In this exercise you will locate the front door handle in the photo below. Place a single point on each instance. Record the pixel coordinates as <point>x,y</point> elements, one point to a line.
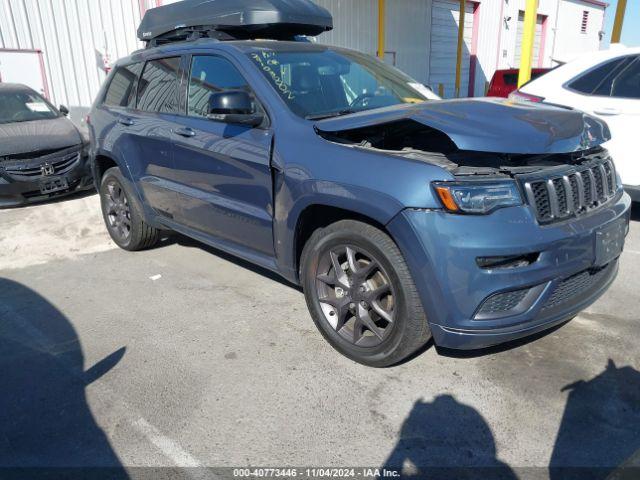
<point>127,122</point>
<point>185,132</point>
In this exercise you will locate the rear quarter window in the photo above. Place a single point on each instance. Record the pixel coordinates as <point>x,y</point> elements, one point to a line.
<point>598,80</point>
<point>627,84</point>
<point>158,86</point>
<point>121,90</point>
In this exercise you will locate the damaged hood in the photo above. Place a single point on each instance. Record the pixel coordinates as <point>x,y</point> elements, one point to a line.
<point>489,125</point>
<point>27,137</point>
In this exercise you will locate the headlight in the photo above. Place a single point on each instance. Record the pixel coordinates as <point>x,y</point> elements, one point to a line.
<point>477,197</point>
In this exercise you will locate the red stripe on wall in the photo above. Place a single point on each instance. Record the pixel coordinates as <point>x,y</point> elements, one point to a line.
<point>43,72</point>
<point>543,40</point>
<point>473,55</point>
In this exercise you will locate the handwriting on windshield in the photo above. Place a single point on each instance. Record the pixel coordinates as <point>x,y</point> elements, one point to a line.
<point>266,61</point>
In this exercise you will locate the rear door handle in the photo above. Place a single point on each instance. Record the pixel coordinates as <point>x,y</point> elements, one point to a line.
<point>127,122</point>
<point>185,132</point>
<point>607,111</point>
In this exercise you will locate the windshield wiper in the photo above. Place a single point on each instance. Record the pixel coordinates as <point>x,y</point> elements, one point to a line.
<point>339,113</point>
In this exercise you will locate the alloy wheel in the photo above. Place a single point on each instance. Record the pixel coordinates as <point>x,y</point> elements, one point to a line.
<point>356,295</point>
<point>117,211</point>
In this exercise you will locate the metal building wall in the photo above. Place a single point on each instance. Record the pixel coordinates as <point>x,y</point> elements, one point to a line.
<point>355,24</point>
<point>75,36</point>
<point>408,34</point>
<point>490,22</point>
<point>571,41</point>
<point>407,40</point>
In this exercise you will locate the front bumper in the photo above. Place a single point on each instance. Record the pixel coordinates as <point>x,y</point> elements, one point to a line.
<point>442,249</point>
<point>15,192</point>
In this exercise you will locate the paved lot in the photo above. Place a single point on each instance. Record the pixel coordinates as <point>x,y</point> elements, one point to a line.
<point>182,356</point>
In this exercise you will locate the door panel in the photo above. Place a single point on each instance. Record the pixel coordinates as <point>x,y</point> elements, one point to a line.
<point>225,182</point>
<point>223,170</point>
<point>152,124</point>
<point>154,167</point>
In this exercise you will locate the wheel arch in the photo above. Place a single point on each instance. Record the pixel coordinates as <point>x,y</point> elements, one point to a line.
<point>101,163</point>
<point>318,215</point>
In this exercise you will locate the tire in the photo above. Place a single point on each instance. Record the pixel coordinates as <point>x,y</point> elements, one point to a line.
<point>122,215</point>
<point>372,314</point>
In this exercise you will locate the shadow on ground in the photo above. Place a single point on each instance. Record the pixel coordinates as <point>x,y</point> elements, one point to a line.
<point>446,439</point>
<point>600,427</point>
<point>45,421</point>
<point>598,437</point>
<point>173,238</point>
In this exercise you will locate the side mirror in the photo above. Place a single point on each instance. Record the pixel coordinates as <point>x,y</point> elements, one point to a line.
<point>64,110</point>
<point>234,106</point>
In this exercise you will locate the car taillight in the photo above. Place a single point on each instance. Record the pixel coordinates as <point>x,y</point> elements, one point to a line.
<point>518,96</point>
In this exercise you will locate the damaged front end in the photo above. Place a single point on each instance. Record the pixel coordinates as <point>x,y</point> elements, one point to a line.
<point>554,155</point>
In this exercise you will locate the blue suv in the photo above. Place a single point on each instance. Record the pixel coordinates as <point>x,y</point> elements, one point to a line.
<point>403,217</point>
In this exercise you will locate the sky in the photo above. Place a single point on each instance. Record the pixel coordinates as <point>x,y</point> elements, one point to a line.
<point>631,25</point>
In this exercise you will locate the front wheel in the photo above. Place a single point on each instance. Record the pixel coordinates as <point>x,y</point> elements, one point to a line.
<point>361,295</point>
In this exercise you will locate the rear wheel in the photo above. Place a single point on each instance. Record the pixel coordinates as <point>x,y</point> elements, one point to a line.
<point>123,219</point>
<point>361,295</point>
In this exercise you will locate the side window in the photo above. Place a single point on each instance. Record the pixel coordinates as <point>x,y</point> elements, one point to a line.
<point>121,90</point>
<point>596,80</point>
<point>627,84</point>
<point>158,86</point>
<point>211,74</point>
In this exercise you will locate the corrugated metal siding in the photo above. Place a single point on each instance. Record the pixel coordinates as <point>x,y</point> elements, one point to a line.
<point>73,35</point>
<point>408,25</point>
<point>355,24</point>
<point>407,31</point>
<point>444,45</point>
<point>489,34</point>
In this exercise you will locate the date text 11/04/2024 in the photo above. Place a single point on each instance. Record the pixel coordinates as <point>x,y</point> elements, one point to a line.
<point>315,473</point>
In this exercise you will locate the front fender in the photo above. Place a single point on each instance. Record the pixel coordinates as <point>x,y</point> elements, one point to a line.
<point>313,171</point>
<point>354,199</point>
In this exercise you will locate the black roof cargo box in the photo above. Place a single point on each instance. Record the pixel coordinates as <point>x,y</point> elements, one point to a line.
<point>240,19</point>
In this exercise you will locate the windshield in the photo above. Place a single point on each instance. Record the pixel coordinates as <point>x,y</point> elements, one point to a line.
<point>24,106</point>
<point>325,83</point>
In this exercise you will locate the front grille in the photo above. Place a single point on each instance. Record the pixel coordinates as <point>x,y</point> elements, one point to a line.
<point>58,163</point>
<point>579,283</point>
<point>577,190</point>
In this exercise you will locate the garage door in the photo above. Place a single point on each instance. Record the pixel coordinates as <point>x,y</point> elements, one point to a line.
<point>445,16</point>
<point>536,42</point>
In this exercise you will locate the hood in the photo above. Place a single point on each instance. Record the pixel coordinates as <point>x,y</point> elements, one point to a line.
<point>489,125</point>
<point>27,137</point>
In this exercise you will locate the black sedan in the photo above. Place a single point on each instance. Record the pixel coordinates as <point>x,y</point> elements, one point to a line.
<point>42,153</point>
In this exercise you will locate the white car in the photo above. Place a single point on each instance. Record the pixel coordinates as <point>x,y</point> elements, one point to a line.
<point>605,84</point>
